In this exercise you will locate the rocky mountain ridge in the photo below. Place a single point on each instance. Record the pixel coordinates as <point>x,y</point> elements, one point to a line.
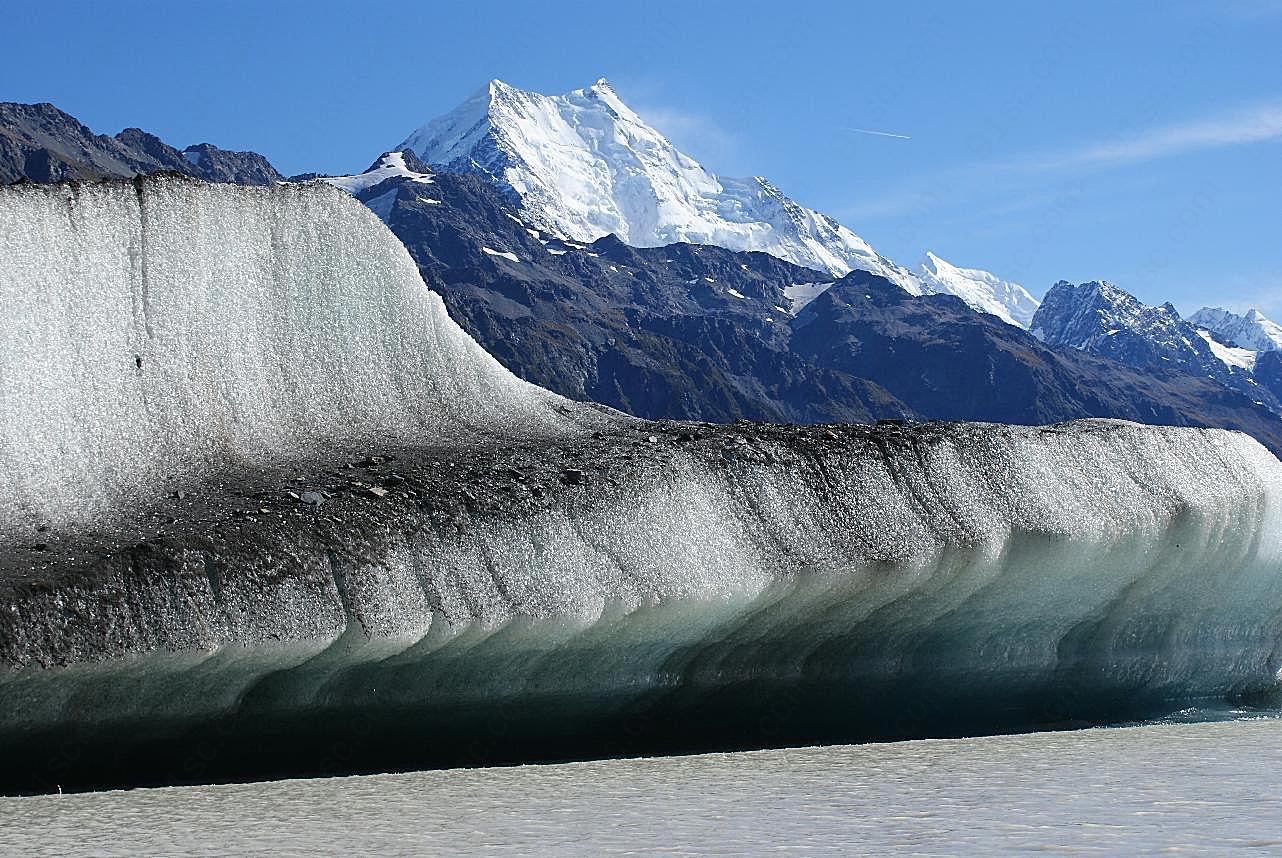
<point>40,143</point>
<point>1103,319</point>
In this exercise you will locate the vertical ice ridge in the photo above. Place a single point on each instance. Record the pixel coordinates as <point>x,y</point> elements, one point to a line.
<point>339,577</point>
<point>142,285</point>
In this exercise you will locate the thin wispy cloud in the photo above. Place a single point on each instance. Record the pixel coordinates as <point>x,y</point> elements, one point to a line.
<point>1025,177</point>
<point>699,135</point>
<point>1256,124</point>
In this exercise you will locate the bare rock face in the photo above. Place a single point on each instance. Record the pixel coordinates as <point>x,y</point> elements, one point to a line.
<point>237,168</point>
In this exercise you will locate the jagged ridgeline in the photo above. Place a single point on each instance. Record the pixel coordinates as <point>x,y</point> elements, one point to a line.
<point>267,511</point>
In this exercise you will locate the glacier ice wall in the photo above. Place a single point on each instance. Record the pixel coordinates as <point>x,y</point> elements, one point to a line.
<point>159,326</point>
<point>533,578</point>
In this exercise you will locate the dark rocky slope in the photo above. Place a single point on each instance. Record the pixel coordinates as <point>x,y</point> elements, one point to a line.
<point>942,359</point>
<point>699,332</point>
<point>682,332</point>
<point>40,143</point>
<point>1268,371</point>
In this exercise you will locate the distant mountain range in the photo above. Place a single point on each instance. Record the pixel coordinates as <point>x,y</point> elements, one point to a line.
<point>1104,320</point>
<point>40,143</point>
<point>700,331</point>
<point>1251,331</point>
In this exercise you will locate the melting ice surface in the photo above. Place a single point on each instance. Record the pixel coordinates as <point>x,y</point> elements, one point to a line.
<point>1195,789</point>
<point>745,587</point>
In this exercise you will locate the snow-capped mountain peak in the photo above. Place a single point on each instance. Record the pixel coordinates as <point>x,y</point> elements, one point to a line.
<point>1251,330</point>
<point>603,92</point>
<point>985,292</point>
<point>583,165</point>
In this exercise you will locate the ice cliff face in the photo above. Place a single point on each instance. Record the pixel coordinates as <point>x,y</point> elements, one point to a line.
<point>505,575</point>
<point>677,587</point>
<point>584,165</point>
<point>166,325</point>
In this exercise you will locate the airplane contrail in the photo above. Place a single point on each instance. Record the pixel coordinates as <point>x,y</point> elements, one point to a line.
<point>879,133</point>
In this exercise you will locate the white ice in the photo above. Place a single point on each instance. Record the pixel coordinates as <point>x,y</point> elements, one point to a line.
<point>1230,356</point>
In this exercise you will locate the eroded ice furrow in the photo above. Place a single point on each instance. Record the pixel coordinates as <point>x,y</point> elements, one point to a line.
<point>884,582</point>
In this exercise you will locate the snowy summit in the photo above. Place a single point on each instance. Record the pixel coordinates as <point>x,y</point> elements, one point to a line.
<point>584,165</point>
<point>985,292</point>
<point>1252,331</point>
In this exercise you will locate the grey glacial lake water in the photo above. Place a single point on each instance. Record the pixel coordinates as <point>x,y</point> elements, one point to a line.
<point>1191,788</point>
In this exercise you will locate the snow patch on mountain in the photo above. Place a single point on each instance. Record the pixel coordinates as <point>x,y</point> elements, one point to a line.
<point>505,254</point>
<point>801,294</point>
<point>1229,355</point>
<point>390,165</point>
<point>986,292</point>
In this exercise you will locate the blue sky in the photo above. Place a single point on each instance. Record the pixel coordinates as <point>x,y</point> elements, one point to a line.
<point>1140,144</point>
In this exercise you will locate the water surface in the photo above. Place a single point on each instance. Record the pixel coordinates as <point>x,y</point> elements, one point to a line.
<point>1193,788</point>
